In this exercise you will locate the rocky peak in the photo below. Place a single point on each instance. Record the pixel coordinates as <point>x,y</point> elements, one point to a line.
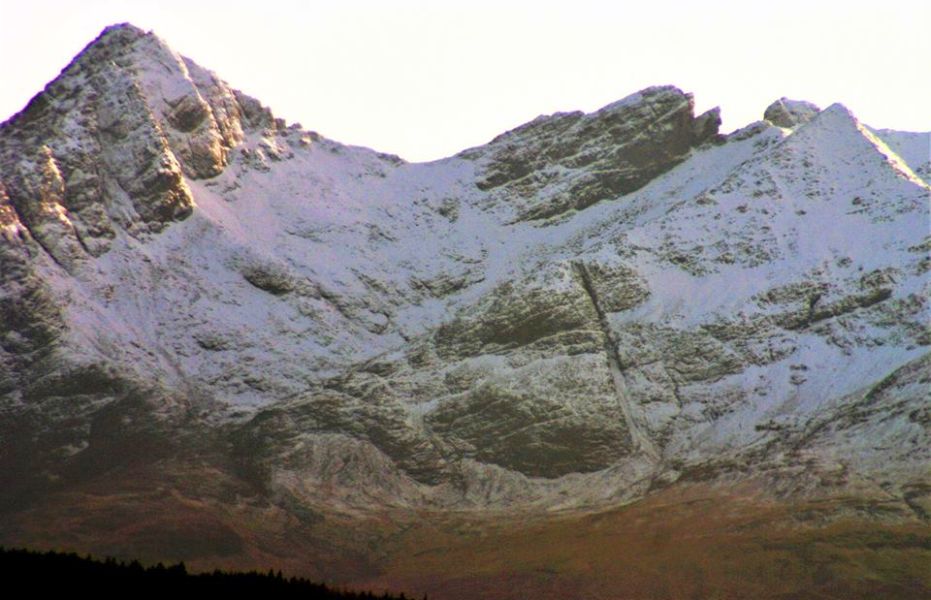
<point>580,159</point>
<point>790,113</point>
<point>114,43</point>
<point>120,129</point>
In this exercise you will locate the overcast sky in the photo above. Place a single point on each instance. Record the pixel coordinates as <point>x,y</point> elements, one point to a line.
<point>427,79</point>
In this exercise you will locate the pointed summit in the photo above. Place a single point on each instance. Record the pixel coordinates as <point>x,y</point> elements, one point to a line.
<point>836,135</point>
<point>124,28</point>
<point>115,43</point>
<point>123,124</point>
<point>125,31</point>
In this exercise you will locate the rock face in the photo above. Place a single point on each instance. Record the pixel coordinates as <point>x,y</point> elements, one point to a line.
<point>586,310</point>
<point>570,161</point>
<point>790,113</point>
<point>108,145</point>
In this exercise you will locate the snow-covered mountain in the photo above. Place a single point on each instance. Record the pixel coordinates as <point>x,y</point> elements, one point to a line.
<point>586,311</point>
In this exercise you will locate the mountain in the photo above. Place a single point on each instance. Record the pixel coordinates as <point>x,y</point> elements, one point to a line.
<point>231,341</point>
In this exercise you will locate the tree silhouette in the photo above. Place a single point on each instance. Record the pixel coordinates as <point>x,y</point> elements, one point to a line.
<point>70,573</point>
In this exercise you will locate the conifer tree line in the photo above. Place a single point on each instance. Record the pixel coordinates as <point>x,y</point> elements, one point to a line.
<point>68,571</point>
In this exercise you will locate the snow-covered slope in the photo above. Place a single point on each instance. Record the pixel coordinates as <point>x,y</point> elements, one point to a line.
<point>586,309</point>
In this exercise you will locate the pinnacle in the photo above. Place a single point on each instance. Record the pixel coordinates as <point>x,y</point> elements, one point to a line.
<point>119,29</point>
<point>113,40</point>
<point>125,26</point>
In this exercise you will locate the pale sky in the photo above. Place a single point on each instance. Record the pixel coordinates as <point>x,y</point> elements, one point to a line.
<point>428,79</point>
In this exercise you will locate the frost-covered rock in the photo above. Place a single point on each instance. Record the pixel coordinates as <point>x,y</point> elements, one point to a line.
<point>790,113</point>
<point>107,145</point>
<point>570,161</point>
<point>583,309</point>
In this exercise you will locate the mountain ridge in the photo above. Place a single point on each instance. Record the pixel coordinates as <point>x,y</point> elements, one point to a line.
<point>586,312</point>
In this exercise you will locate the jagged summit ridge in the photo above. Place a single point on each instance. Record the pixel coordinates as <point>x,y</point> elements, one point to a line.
<point>569,161</point>
<point>585,309</point>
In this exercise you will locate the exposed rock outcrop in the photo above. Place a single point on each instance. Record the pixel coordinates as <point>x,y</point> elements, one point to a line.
<point>572,160</point>
<point>107,145</point>
<point>790,113</point>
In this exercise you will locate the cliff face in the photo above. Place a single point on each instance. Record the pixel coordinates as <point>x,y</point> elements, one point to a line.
<point>568,162</point>
<point>586,310</point>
